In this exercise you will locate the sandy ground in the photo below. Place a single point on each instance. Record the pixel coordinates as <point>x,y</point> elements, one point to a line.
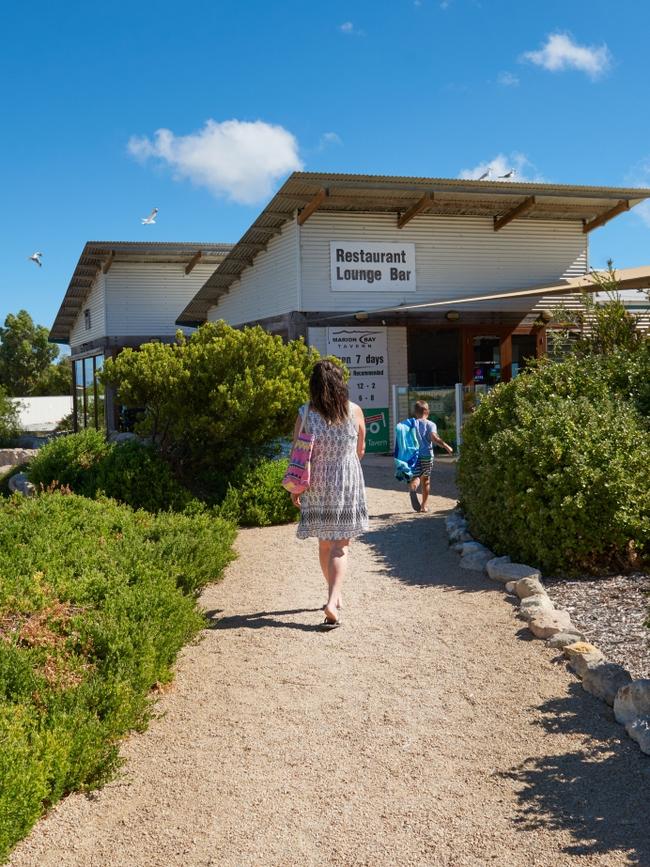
<point>427,730</point>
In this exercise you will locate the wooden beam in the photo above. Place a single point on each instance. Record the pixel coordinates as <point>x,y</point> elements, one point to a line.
<point>196,258</point>
<point>107,264</point>
<point>422,205</point>
<point>513,213</point>
<point>623,205</point>
<point>313,205</point>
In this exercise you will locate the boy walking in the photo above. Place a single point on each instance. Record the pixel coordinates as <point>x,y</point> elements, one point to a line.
<point>428,435</point>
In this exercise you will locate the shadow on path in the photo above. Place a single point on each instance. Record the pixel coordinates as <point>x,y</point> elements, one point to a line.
<point>416,551</point>
<point>598,795</point>
<point>262,619</point>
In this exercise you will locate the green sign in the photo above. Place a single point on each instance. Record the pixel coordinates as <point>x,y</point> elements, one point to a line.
<point>376,428</point>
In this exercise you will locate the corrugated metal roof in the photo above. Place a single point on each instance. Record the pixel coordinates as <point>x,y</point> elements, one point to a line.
<point>100,254</point>
<point>394,194</point>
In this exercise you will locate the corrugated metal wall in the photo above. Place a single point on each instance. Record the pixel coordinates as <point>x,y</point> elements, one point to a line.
<point>455,256</point>
<point>144,298</point>
<point>96,303</point>
<point>269,287</point>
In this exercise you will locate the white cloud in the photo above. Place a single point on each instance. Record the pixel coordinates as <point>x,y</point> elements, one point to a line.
<point>238,159</point>
<point>501,165</point>
<point>639,176</point>
<point>561,52</point>
<point>350,30</point>
<point>329,139</point>
<point>507,79</point>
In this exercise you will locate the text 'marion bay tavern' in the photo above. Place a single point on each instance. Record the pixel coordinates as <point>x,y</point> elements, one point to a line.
<point>385,267</point>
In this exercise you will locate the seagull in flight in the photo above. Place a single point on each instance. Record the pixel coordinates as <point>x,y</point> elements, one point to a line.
<point>36,257</point>
<point>151,219</point>
<point>509,174</point>
<point>485,175</point>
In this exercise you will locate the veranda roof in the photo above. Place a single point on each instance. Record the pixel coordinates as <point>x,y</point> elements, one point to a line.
<point>304,193</point>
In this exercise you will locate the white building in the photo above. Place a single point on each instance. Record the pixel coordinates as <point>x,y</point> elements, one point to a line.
<point>124,294</point>
<point>395,264</point>
<point>422,282</point>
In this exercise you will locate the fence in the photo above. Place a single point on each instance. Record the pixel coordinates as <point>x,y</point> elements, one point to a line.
<point>448,407</point>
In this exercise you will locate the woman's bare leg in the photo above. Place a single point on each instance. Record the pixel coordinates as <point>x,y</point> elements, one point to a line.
<point>337,569</point>
<point>324,548</point>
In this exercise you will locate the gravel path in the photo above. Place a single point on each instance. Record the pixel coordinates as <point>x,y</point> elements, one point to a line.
<point>426,731</point>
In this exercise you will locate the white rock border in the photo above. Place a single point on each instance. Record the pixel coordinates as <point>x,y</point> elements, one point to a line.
<point>608,681</point>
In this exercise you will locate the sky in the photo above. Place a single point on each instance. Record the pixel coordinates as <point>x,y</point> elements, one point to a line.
<point>202,109</point>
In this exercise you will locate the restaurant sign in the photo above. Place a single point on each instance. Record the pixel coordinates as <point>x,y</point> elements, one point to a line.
<point>370,266</point>
<point>365,353</point>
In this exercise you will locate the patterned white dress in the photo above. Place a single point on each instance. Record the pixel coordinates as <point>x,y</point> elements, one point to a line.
<point>334,507</point>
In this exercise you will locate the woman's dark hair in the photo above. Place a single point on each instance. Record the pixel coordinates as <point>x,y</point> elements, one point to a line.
<point>328,391</point>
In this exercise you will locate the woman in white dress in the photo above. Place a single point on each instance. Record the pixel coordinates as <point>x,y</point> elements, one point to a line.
<point>334,508</point>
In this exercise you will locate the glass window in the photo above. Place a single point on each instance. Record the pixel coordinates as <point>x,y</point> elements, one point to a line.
<point>100,393</point>
<point>487,360</point>
<point>79,394</point>
<point>524,347</point>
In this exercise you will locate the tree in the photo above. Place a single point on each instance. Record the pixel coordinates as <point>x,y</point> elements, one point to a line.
<point>9,429</point>
<point>25,354</point>
<point>55,379</point>
<point>214,399</point>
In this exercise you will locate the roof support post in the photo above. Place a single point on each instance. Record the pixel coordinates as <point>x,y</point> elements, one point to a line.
<point>623,205</point>
<point>311,206</point>
<point>196,258</point>
<point>422,204</point>
<point>107,264</point>
<point>513,213</point>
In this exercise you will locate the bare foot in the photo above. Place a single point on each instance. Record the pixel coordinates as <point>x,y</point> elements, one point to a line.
<point>331,614</point>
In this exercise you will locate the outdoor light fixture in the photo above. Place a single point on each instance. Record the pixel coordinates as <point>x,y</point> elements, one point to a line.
<point>546,315</point>
<point>361,316</point>
<point>452,315</point>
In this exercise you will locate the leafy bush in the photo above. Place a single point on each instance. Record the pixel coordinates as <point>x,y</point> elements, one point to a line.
<point>554,467</point>
<point>9,429</point>
<point>214,398</point>
<point>255,497</point>
<point>130,472</point>
<point>71,461</point>
<point>95,602</point>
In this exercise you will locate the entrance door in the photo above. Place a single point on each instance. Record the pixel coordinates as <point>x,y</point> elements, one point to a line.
<point>486,360</point>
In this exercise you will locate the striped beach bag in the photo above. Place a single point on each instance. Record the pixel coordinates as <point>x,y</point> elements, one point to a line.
<point>297,477</point>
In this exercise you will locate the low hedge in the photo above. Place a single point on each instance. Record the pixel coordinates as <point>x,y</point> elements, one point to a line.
<point>554,469</point>
<point>130,472</point>
<point>255,496</point>
<point>95,602</point>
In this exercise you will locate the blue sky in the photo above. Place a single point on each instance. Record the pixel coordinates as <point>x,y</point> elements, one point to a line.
<point>414,87</point>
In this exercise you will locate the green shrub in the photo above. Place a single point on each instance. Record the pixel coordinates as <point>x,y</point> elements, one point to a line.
<point>9,429</point>
<point>95,602</point>
<point>70,460</point>
<point>554,469</point>
<point>214,398</point>
<point>255,496</point>
<point>130,472</point>
<point>136,474</point>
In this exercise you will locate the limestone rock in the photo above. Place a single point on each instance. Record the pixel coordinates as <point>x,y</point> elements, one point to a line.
<point>501,569</point>
<point>546,624</point>
<point>493,567</point>
<point>562,639</point>
<point>476,560</point>
<point>633,701</point>
<point>20,484</point>
<point>13,457</point>
<point>639,731</point>
<point>526,587</point>
<point>604,679</point>
<point>474,547</point>
<point>510,586</point>
<point>581,654</point>
<point>535,606</point>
